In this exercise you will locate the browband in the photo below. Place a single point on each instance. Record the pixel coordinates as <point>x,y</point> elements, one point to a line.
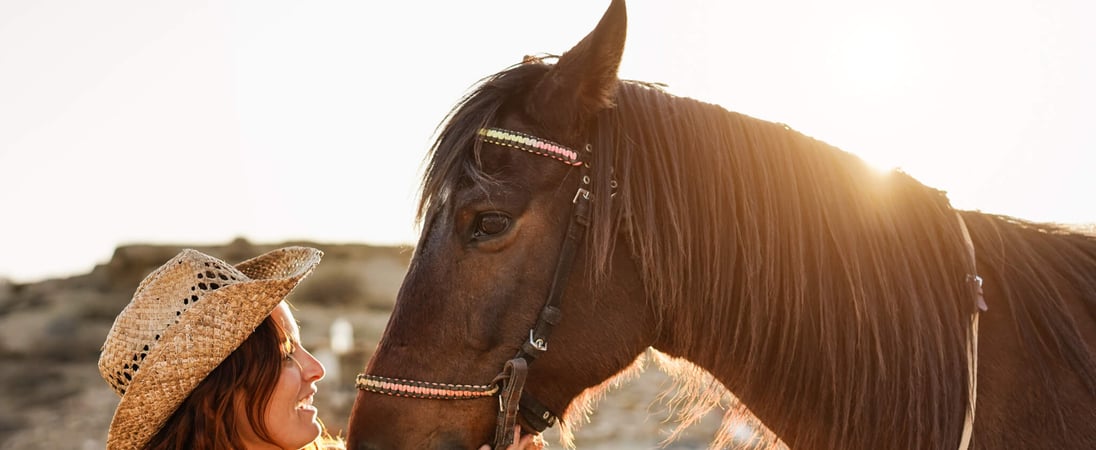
<point>532,144</point>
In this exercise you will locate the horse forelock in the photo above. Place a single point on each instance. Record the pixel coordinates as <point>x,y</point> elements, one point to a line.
<point>453,159</point>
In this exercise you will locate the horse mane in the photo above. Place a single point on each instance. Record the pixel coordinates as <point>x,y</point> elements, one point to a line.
<point>833,287</point>
<point>845,289</point>
<point>832,284</point>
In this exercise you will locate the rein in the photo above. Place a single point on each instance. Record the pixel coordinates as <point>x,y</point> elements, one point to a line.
<point>975,282</point>
<point>510,383</point>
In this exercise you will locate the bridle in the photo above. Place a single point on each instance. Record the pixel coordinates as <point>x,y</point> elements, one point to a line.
<point>509,384</point>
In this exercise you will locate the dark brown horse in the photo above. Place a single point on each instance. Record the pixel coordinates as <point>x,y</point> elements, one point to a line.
<point>839,305</point>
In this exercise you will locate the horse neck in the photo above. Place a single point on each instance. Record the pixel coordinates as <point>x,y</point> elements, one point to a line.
<point>825,297</point>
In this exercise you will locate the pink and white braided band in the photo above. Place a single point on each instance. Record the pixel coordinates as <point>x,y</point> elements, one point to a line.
<point>529,143</point>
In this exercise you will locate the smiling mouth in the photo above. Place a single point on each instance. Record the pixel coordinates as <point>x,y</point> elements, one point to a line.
<point>306,403</point>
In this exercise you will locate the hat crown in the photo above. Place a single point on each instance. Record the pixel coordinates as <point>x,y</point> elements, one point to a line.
<point>160,302</point>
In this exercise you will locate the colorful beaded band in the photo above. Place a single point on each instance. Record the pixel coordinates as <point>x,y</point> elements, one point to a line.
<point>531,144</point>
<point>424,389</point>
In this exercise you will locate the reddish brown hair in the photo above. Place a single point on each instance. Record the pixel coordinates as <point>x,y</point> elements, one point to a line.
<point>245,379</point>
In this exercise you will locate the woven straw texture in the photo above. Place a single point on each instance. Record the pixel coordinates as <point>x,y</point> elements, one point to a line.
<point>185,318</point>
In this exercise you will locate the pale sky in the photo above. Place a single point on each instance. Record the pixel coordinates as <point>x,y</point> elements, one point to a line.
<point>196,122</point>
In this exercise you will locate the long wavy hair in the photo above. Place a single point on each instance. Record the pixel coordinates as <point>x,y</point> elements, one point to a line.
<point>243,382</point>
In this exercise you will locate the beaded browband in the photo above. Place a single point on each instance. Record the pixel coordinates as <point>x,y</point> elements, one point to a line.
<point>532,144</point>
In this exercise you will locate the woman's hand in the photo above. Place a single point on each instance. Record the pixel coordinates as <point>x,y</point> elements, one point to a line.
<point>528,442</point>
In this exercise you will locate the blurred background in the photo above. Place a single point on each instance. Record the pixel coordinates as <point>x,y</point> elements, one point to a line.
<point>131,129</point>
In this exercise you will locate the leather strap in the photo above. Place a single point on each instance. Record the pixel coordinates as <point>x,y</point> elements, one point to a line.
<point>972,338</point>
<point>551,313</point>
<point>513,380</point>
<point>536,415</point>
<point>972,383</point>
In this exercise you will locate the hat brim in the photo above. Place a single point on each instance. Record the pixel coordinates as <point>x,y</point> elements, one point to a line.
<point>219,324</point>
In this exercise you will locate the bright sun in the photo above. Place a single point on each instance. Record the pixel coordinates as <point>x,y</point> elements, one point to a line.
<point>873,66</point>
<point>873,60</point>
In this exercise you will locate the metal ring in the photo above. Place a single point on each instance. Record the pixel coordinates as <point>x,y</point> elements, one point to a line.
<point>589,148</point>
<point>585,179</point>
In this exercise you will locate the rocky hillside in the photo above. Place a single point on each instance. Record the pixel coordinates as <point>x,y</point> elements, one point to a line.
<point>51,331</point>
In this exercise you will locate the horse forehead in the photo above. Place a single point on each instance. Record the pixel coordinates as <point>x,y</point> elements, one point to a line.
<point>517,167</point>
<point>511,162</point>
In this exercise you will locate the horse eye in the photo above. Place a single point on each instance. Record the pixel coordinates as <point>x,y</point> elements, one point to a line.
<point>490,224</point>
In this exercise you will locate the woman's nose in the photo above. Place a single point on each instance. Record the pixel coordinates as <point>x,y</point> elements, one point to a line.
<point>312,369</point>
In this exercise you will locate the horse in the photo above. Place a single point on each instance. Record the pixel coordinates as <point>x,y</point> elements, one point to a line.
<point>572,220</point>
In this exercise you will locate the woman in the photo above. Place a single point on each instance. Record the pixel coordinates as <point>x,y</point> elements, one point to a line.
<point>208,356</point>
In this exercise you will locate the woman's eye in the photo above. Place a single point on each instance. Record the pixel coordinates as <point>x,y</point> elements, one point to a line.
<point>490,224</point>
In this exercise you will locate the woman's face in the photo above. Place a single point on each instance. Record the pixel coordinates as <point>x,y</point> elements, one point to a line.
<point>290,417</point>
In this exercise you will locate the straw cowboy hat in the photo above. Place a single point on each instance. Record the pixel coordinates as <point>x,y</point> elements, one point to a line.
<point>185,318</point>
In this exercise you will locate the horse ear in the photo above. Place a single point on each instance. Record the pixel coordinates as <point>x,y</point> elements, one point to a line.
<point>584,80</point>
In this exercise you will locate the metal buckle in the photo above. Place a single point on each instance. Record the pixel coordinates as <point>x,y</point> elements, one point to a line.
<point>582,192</point>
<point>974,279</point>
<point>538,344</point>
